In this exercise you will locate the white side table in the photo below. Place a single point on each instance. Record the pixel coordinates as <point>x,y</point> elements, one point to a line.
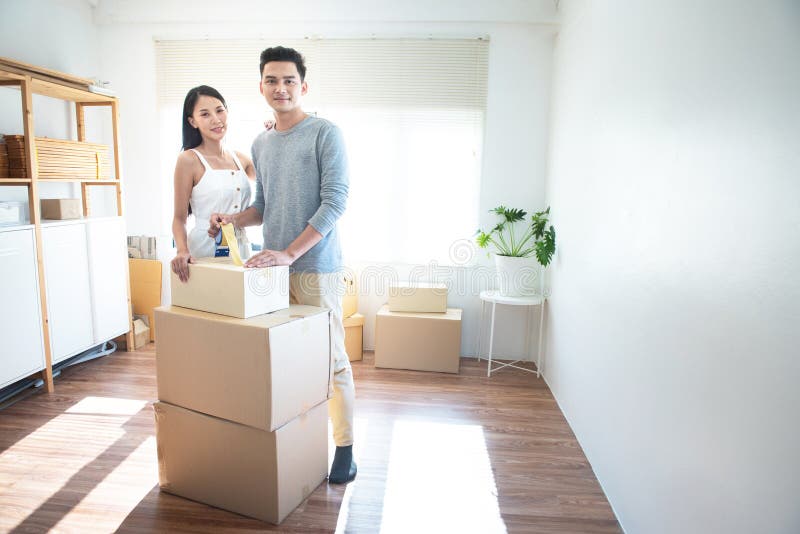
<point>495,298</point>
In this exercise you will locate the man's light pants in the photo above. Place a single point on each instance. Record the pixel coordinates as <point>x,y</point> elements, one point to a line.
<point>325,290</point>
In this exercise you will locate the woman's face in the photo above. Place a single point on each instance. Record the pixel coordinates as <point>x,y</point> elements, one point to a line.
<point>210,117</point>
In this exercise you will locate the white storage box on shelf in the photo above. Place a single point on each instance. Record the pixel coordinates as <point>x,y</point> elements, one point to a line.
<point>13,212</point>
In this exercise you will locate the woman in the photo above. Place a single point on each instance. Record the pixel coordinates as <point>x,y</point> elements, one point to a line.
<point>208,178</point>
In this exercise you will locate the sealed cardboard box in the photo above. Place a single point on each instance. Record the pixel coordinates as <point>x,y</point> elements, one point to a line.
<point>262,371</point>
<point>418,341</point>
<point>255,473</point>
<point>145,289</point>
<point>61,208</point>
<point>354,337</point>
<point>350,298</point>
<point>216,285</point>
<point>418,297</point>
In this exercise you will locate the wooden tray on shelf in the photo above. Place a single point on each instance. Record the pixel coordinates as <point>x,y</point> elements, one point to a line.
<point>59,159</point>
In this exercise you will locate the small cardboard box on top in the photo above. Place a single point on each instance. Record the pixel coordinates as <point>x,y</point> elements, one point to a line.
<point>418,341</point>
<point>261,372</point>
<point>239,468</point>
<point>418,297</point>
<point>216,285</point>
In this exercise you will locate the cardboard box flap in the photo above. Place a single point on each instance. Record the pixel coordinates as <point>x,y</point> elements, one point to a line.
<point>267,320</point>
<point>354,320</point>
<point>452,314</point>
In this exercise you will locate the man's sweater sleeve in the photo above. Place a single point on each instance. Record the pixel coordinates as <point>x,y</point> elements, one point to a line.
<point>334,180</point>
<point>258,202</point>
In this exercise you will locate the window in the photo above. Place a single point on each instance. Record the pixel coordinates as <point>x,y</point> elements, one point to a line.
<point>412,113</point>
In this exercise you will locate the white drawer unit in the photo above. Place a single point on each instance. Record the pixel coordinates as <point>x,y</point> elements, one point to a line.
<point>108,267</point>
<point>69,302</point>
<point>20,317</point>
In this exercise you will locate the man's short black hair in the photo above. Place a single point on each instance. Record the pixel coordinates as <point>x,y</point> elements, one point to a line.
<point>280,53</point>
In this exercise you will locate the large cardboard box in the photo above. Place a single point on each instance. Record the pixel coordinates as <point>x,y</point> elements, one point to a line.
<point>418,341</point>
<point>418,297</point>
<point>216,285</point>
<point>145,289</point>
<point>354,337</point>
<point>61,208</point>
<point>350,297</point>
<point>259,474</point>
<point>262,371</point>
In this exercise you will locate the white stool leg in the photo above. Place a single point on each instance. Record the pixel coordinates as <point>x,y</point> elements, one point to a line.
<point>541,334</point>
<point>491,340</point>
<point>527,332</point>
<point>480,329</point>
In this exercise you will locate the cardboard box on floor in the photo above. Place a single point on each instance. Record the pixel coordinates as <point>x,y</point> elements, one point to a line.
<point>419,297</point>
<point>354,337</point>
<point>141,334</point>
<point>216,285</point>
<point>418,341</point>
<point>145,289</point>
<point>262,371</point>
<point>239,468</point>
<point>350,297</point>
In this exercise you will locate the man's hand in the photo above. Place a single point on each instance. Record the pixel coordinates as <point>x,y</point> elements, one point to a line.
<point>216,221</point>
<point>270,258</point>
<point>180,265</point>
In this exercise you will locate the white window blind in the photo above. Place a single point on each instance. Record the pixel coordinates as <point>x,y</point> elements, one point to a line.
<point>412,113</point>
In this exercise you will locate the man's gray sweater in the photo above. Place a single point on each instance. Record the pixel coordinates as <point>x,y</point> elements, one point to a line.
<point>301,179</point>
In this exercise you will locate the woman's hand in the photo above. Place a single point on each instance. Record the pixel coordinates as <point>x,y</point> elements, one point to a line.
<point>180,265</point>
<point>216,221</point>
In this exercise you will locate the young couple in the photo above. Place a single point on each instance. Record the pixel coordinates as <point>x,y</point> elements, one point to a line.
<point>300,169</point>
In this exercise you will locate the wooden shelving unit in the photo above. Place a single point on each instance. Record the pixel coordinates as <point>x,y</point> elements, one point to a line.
<point>32,80</point>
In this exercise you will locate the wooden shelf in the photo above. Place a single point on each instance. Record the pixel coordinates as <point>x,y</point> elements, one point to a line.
<point>61,92</point>
<point>30,80</point>
<point>77,181</point>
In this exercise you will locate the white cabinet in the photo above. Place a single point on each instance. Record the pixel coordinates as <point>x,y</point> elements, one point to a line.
<point>20,319</point>
<point>108,264</point>
<point>69,303</point>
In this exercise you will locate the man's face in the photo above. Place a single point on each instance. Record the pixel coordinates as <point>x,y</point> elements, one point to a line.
<point>281,86</point>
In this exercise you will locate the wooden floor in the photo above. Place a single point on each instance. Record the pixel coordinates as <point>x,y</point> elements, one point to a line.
<point>436,453</point>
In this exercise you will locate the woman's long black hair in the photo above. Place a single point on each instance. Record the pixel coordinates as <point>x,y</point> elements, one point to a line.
<point>191,135</point>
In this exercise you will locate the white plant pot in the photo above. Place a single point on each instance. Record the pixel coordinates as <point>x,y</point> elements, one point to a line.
<point>517,277</point>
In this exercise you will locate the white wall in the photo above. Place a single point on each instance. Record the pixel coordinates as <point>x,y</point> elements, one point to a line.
<point>519,83</point>
<point>673,341</point>
<point>59,35</point>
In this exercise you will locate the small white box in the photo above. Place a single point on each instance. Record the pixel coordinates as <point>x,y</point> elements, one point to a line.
<point>418,297</point>
<point>216,285</point>
<point>13,212</point>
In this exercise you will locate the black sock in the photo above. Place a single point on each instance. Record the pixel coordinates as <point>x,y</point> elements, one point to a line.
<point>343,469</point>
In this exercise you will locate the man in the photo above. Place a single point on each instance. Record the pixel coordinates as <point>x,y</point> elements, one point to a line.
<point>301,191</point>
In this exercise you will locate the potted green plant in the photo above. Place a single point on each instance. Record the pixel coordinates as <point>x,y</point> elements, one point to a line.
<point>518,250</point>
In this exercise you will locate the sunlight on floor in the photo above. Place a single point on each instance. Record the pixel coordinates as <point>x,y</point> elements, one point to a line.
<point>110,502</point>
<point>77,438</point>
<point>440,479</point>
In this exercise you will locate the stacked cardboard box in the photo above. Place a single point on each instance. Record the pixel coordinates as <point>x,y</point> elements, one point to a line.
<point>416,330</point>
<point>241,421</point>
